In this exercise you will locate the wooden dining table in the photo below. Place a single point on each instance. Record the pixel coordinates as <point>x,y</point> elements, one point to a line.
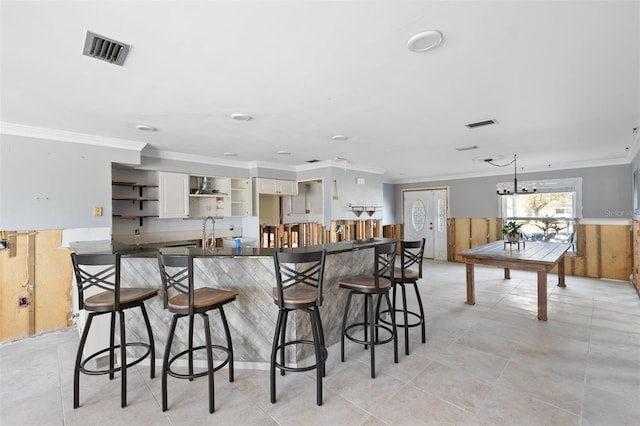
<point>540,257</point>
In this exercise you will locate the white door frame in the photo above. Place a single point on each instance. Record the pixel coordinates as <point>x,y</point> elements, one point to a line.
<point>440,244</point>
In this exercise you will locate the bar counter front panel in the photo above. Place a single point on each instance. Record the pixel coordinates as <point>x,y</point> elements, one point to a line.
<point>252,316</point>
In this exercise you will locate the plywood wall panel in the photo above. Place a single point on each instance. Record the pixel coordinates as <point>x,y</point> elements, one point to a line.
<point>592,251</point>
<point>14,319</point>
<point>480,231</point>
<point>462,236</point>
<point>636,253</point>
<point>615,251</point>
<point>53,282</point>
<point>51,277</point>
<point>603,251</point>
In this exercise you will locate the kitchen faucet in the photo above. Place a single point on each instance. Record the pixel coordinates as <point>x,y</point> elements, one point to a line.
<point>211,236</point>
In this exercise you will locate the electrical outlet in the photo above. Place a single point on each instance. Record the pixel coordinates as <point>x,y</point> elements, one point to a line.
<point>97,211</point>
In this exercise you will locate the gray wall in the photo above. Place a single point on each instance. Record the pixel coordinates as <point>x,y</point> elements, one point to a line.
<point>369,194</point>
<point>55,185</point>
<point>389,203</point>
<point>604,190</point>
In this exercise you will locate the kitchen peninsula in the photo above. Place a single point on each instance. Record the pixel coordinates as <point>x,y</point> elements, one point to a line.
<point>250,273</point>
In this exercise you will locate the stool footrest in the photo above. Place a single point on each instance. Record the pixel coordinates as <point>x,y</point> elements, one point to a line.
<point>298,369</point>
<point>91,372</point>
<point>201,373</point>
<point>373,341</point>
<point>399,324</point>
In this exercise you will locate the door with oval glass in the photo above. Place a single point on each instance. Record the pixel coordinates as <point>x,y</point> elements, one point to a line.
<point>425,216</point>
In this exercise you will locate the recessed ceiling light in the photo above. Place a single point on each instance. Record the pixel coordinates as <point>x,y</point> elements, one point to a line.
<point>424,41</point>
<point>230,154</point>
<point>241,117</point>
<point>467,148</point>
<point>284,153</point>
<point>339,138</point>
<point>146,128</point>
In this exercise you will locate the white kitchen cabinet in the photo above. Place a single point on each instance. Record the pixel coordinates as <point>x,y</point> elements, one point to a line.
<point>277,187</point>
<point>241,197</point>
<point>173,195</point>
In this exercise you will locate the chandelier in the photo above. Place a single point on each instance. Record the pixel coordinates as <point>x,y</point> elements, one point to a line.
<point>506,188</point>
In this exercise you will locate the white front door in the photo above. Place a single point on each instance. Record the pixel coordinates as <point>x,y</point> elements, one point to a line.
<point>425,216</point>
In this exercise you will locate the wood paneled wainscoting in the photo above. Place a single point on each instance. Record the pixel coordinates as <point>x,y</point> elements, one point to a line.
<point>602,251</point>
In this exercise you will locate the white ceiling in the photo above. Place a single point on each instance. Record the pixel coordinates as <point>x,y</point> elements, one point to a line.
<point>561,77</point>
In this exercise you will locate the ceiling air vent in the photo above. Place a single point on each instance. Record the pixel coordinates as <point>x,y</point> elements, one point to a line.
<point>105,49</point>
<point>481,123</point>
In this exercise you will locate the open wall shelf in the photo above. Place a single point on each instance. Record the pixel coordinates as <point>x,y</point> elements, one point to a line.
<point>139,198</point>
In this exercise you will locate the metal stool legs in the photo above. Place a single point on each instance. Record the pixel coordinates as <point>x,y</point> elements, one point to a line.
<point>371,326</point>
<point>208,347</point>
<point>406,313</point>
<point>280,344</point>
<point>80,364</point>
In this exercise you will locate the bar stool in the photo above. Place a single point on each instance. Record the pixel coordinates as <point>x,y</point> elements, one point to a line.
<point>176,273</point>
<point>411,254</point>
<point>299,279</point>
<point>367,286</point>
<point>103,272</point>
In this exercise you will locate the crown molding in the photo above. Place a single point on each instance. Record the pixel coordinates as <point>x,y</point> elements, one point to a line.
<point>270,165</point>
<point>458,176</point>
<point>193,158</point>
<point>72,137</point>
<point>342,165</point>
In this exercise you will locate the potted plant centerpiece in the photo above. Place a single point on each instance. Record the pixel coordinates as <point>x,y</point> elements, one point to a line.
<point>511,230</point>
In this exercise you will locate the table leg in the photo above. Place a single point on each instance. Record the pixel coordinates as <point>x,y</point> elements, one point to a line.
<point>507,273</point>
<point>542,295</point>
<point>561,273</point>
<point>471,294</point>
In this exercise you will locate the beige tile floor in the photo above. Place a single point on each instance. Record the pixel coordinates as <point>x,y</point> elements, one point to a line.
<point>492,363</point>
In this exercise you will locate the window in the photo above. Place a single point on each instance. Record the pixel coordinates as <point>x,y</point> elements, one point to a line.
<point>549,213</point>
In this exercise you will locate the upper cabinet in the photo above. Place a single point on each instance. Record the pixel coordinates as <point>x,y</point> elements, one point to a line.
<point>241,196</point>
<point>277,187</point>
<point>173,195</point>
<point>184,196</point>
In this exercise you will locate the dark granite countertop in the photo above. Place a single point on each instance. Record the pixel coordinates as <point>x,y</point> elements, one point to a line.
<point>150,250</point>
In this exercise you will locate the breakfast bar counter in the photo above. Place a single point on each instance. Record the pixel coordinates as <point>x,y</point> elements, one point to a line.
<point>250,273</point>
